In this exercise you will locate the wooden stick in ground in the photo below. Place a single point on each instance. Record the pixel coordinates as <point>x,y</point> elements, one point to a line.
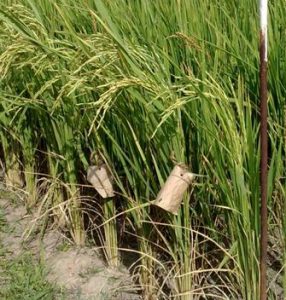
<point>264,143</point>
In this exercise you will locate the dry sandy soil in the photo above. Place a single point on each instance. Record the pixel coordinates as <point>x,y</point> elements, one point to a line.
<point>80,272</point>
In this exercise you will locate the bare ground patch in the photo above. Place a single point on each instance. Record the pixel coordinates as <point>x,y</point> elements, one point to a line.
<point>80,272</point>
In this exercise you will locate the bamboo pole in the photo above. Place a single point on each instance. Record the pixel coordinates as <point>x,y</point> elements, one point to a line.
<point>264,142</point>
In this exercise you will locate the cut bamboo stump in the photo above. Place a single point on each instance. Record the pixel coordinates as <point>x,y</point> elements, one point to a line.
<point>101,180</point>
<point>171,194</point>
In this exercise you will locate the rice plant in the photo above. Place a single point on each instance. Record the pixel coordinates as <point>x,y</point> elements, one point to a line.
<point>147,83</point>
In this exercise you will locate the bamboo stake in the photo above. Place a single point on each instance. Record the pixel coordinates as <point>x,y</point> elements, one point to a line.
<point>171,194</point>
<point>264,142</point>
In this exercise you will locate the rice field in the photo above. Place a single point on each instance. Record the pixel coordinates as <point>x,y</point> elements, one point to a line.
<point>140,86</point>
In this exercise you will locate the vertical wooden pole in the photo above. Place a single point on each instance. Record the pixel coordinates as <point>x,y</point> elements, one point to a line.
<point>264,146</point>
